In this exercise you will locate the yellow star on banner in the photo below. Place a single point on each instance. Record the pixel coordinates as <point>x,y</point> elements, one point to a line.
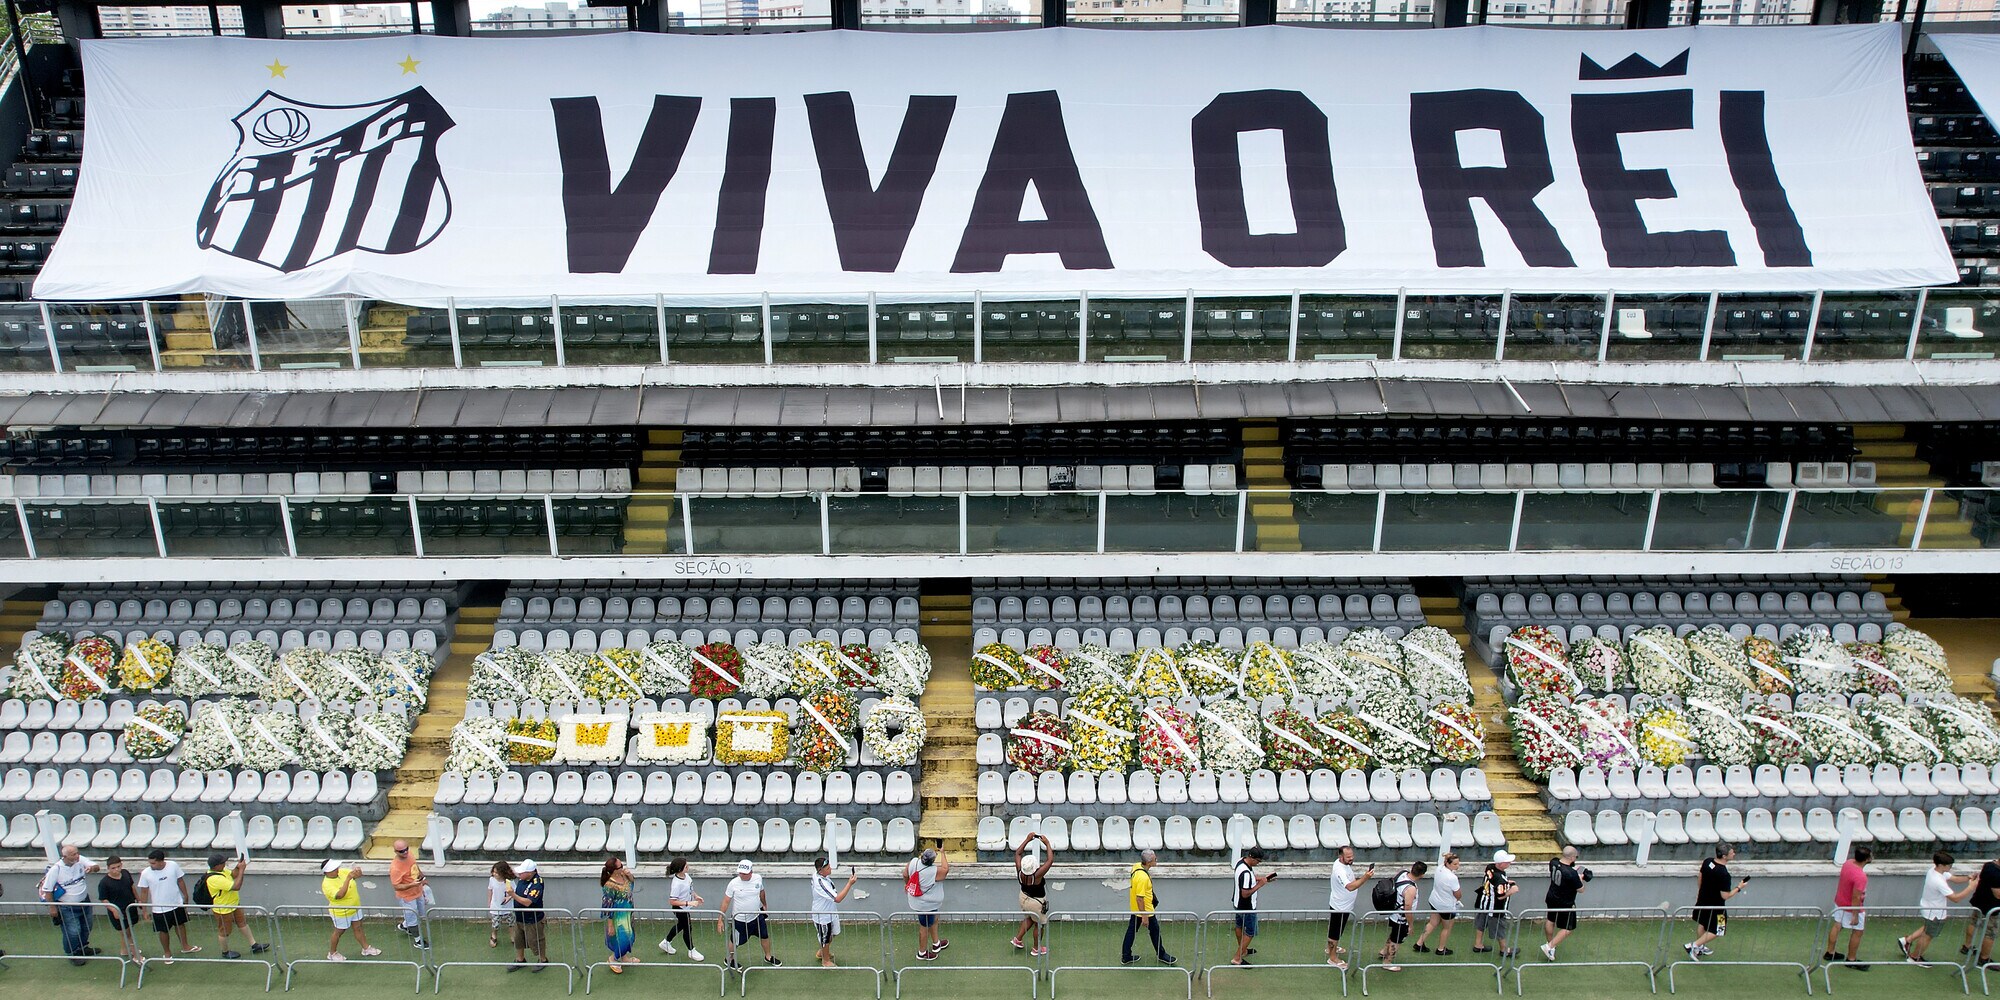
<point>409,64</point>
<point>277,68</point>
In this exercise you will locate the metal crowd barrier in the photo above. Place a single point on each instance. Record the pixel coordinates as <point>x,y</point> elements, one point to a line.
<point>1590,920</point>
<point>1376,923</point>
<point>1983,926</point>
<point>968,959</point>
<point>445,930</point>
<point>1299,927</point>
<point>796,932</point>
<point>1170,921</point>
<point>1744,942</point>
<point>650,925</point>
<point>1906,917</point>
<point>201,921</point>
<point>21,919</point>
<point>311,926</point>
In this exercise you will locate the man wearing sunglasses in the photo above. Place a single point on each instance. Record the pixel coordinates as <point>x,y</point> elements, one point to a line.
<point>413,891</point>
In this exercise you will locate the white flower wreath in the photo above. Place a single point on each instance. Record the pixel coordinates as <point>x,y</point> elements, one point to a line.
<point>895,730</point>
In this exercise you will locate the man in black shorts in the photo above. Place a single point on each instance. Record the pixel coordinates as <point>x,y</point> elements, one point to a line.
<point>1985,900</point>
<point>1565,881</point>
<point>1399,918</point>
<point>1345,886</point>
<point>1710,893</point>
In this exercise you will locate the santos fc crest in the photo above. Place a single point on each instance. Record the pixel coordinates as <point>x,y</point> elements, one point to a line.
<point>310,182</point>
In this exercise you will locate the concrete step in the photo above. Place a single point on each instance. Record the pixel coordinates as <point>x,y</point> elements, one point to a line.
<point>1878,432</point>
<point>1259,432</point>
<point>1877,449</point>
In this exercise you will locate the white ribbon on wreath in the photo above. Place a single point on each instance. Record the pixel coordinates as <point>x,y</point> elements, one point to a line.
<point>284,749</point>
<point>493,665</point>
<point>1232,732</point>
<point>716,668</point>
<point>1285,668</point>
<point>985,657</point>
<point>1393,729</point>
<point>1035,734</point>
<point>549,665</point>
<point>612,666</point>
<point>1336,734</point>
<point>298,681</point>
<point>1085,717</point>
<point>1562,742</point>
<point>164,733</point>
<point>228,731</point>
<point>243,663</point>
<point>1599,720</point>
<point>35,670</point>
<point>1777,727</point>
<point>672,670</point>
<point>1291,737</point>
<point>1453,724</point>
<point>1172,733</point>
<point>1662,653</point>
<point>94,677</point>
<point>1840,726</point>
<point>1913,734</point>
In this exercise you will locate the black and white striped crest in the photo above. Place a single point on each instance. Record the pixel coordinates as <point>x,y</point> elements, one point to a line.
<point>309,182</point>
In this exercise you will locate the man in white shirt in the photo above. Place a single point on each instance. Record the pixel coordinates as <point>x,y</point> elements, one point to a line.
<point>64,883</point>
<point>744,900</point>
<point>1934,906</point>
<point>163,889</point>
<point>1346,885</point>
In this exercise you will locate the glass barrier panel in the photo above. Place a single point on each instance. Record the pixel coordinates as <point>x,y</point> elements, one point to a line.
<point>1365,11</point>
<point>88,529</point>
<point>1958,519</point>
<point>507,338</point>
<point>1346,327</point>
<point>1450,327</point>
<point>101,336</point>
<point>1718,521</point>
<point>1170,522</point>
<point>864,523</point>
<point>1578,520</point>
<point>24,344</point>
<point>1030,331</point>
<point>589,525</point>
<point>484,525</point>
<point>709,336</point>
<point>1328,522</point>
<point>1444,522</point>
<point>917,333</point>
<point>1151,11</point>
<point>653,524</point>
<point>1759,327</point>
<point>310,333</point>
<point>352,526</point>
<point>206,333</point>
<point>1959,324</point>
<point>826,334</point>
<point>610,335</point>
<point>13,544</point>
<point>1854,519</point>
<point>1560,327</point>
<point>399,336</point>
<point>222,528</point>
<point>1242,329</point>
<point>1652,328</point>
<point>1138,329</point>
<point>1019,522</point>
<point>1863,326</point>
<point>770,525</point>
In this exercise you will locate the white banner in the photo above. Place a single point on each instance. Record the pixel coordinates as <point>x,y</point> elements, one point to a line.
<point>825,165</point>
<point>1976,60</point>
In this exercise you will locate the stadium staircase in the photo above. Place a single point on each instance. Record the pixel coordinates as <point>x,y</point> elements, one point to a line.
<point>187,339</point>
<point>1275,526</point>
<point>1524,817</point>
<point>18,615</point>
<point>383,329</point>
<point>651,511</point>
<point>1897,465</point>
<point>411,796</point>
<point>950,773</point>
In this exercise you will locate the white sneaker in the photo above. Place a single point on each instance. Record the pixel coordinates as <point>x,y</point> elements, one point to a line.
<point>693,955</point>
<point>666,946</point>
<point>1548,952</point>
<point>334,956</point>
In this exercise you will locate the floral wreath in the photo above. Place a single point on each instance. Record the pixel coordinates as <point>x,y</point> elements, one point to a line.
<point>901,748</point>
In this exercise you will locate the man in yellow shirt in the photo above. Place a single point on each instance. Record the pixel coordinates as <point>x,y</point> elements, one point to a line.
<point>225,895</point>
<point>343,904</point>
<point>1143,902</point>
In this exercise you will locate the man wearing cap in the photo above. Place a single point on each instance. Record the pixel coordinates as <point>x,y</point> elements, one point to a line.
<point>225,893</point>
<point>531,932</point>
<point>826,907</point>
<point>1490,902</point>
<point>343,907</point>
<point>413,890</point>
<point>744,900</point>
<point>923,882</point>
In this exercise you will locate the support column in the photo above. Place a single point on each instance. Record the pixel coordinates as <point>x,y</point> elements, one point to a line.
<point>1451,13</point>
<point>1257,12</point>
<point>1055,13</point>
<point>451,17</point>
<point>263,21</point>
<point>1656,13</point>
<point>652,15</point>
<point>78,20</point>
<point>1847,11</point>
<point>845,14</point>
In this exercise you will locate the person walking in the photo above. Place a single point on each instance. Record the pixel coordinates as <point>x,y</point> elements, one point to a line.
<point>1934,906</point>
<point>681,898</point>
<point>923,882</point>
<point>1144,902</point>
<point>1248,882</point>
<point>1034,893</point>
<point>615,881</point>
<point>412,888</point>
<point>1405,896</point>
<point>224,889</point>
<point>1710,893</point>
<point>342,889</point>
<point>65,883</point>
<point>1985,910</point>
<point>745,900</point>
<point>826,907</point>
<point>1345,886</point>
<point>499,902</point>
<point>531,929</point>
<point>1565,882</point>
<point>1850,913</point>
<point>1495,890</point>
<point>163,888</point>
<point>119,893</point>
<point>1446,898</point>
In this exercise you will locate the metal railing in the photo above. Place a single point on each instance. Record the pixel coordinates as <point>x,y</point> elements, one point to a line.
<point>310,924</point>
<point>1186,326</point>
<point>1184,925</point>
<point>1905,915</point>
<point>1753,948</point>
<point>1585,924</point>
<point>1217,944</point>
<point>256,917</point>
<point>445,926</point>
<point>1377,925</point>
<point>902,927</point>
<point>1887,520</point>
<point>75,925</point>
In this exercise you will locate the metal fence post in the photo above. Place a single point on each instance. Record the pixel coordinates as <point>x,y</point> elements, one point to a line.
<point>1708,325</point>
<point>1916,324</point>
<point>1923,518</point>
<point>256,365</point>
<point>28,536</point>
<point>153,332</point>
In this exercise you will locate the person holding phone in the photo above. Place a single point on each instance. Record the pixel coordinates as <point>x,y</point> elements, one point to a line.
<point>1248,882</point>
<point>826,907</point>
<point>1710,893</point>
<point>1034,893</point>
<point>1346,886</point>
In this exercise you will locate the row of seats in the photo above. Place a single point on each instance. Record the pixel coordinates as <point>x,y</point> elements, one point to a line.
<point>1165,443</point>
<point>594,836</point>
<point>1567,476</point>
<point>1490,644</point>
<point>375,640</point>
<point>35,216</point>
<point>826,609</point>
<point>1857,601</point>
<point>136,789</point>
<point>66,714</point>
<point>471,449</point>
<point>435,482</point>
<point>205,611</point>
<point>1194,608</point>
<point>314,836</point>
<point>1797,783</point>
<point>1535,439</point>
<point>536,640</point>
<point>42,178</point>
<point>476,482</point>
<point>688,787</point>
<point>73,747</point>
<point>951,480</point>
<point>1124,639</point>
<point>54,144</point>
<point>1215,834</point>
<point>1762,829</point>
<point>1383,786</point>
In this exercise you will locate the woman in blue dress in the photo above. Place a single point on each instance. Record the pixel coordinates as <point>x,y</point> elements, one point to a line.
<point>616,881</point>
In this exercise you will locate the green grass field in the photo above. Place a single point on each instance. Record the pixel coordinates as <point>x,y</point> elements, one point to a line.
<point>1076,945</point>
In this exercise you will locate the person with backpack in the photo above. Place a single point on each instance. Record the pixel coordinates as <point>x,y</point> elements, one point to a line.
<point>1398,898</point>
<point>221,891</point>
<point>1495,891</point>
<point>1144,901</point>
<point>923,882</point>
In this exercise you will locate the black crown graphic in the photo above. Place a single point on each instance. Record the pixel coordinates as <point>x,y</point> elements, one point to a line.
<point>1632,67</point>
